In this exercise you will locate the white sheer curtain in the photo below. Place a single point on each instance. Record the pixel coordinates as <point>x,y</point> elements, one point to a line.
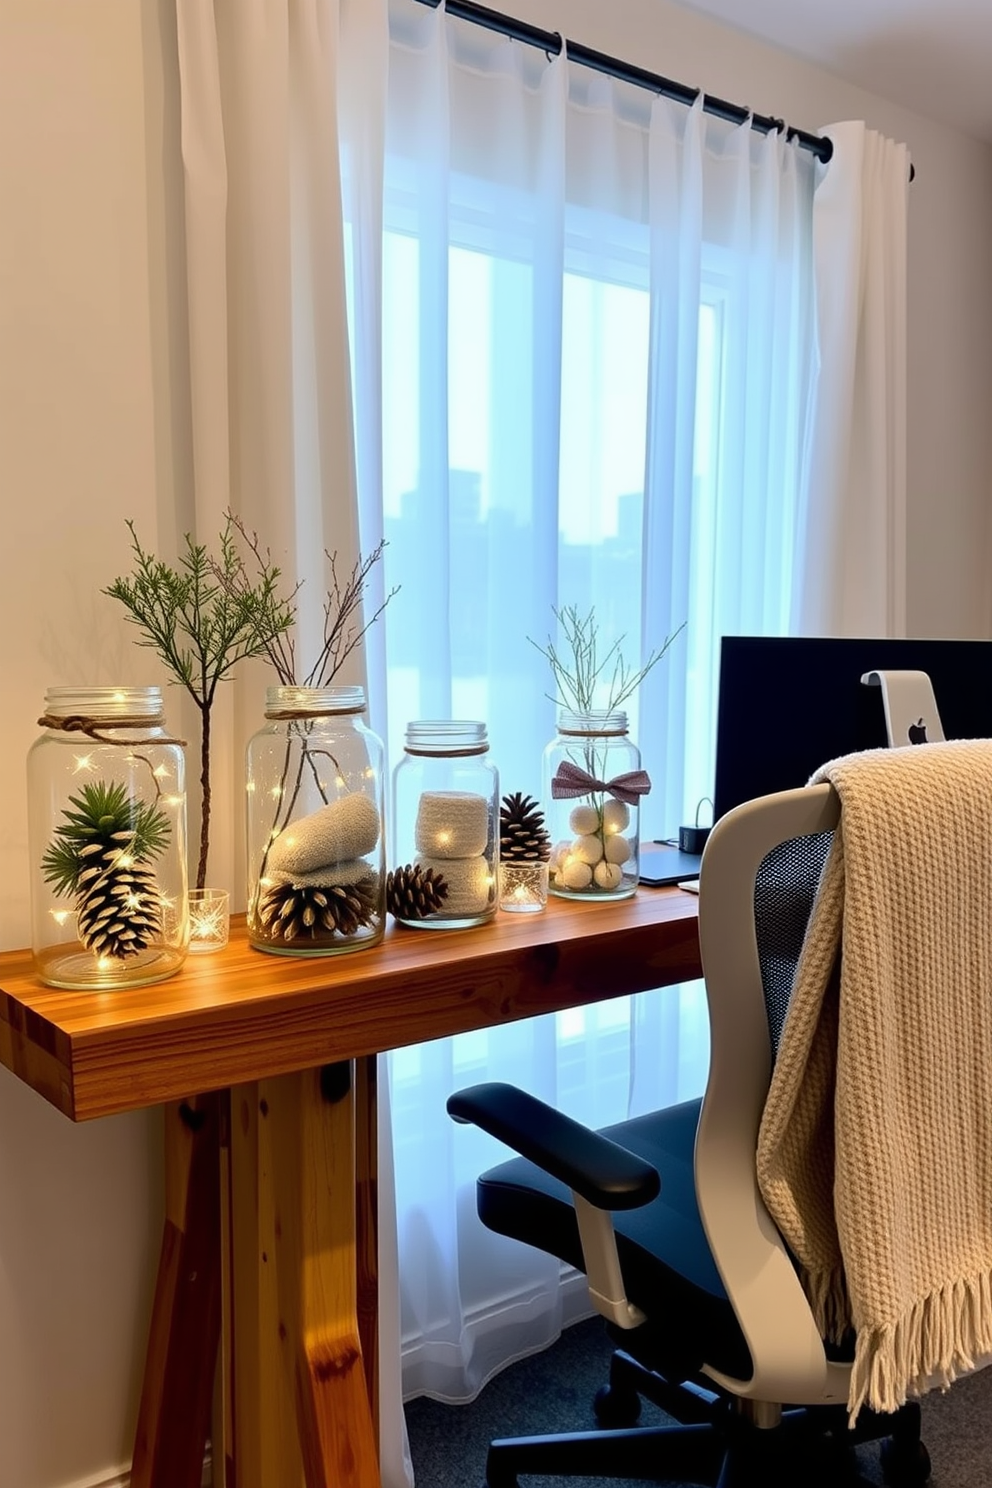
<point>597,324</point>
<point>283,118</point>
<point>266,127</point>
<point>853,552</point>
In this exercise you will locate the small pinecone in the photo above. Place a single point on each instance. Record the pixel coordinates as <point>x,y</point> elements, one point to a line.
<point>288,911</point>
<point>523,837</point>
<point>117,906</point>
<point>413,893</point>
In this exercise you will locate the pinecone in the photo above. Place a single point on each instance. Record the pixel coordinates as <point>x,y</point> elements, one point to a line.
<point>99,854</point>
<point>117,911</point>
<point>413,893</point>
<point>523,837</point>
<point>288,911</point>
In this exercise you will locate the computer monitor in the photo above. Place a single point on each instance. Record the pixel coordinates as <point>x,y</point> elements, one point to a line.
<point>788,704</point>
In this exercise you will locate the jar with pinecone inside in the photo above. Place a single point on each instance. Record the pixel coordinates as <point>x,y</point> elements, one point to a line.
<point>524,851</point>
<point>593,787</point>
<point>107,840</point>
<point>316,850</point>
<point>445,827</point>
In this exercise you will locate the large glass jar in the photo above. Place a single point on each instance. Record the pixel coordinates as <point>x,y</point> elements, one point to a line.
<point>316,847</point>
<point>593,783</point>
<point>107,840</point>
<point>445,827</point>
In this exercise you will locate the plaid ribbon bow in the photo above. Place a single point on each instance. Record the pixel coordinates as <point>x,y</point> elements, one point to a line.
<point>570,780</point>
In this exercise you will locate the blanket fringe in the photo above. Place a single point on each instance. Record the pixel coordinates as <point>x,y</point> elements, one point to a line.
<point>826,1292</point>
<point>932,1344</point>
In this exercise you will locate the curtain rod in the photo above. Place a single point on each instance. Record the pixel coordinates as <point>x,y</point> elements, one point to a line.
<point>552,43</point>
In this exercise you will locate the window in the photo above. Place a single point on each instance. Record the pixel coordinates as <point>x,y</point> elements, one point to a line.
<point>596,322</point>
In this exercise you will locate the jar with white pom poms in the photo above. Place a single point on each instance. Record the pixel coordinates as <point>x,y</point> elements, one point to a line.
<point>593,783</point>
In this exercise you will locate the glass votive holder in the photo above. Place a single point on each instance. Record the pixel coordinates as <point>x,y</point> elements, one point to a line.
<point>523,887</point>
<point>209,919</point>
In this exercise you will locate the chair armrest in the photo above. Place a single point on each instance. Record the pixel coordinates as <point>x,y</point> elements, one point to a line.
<point>604,1173</point>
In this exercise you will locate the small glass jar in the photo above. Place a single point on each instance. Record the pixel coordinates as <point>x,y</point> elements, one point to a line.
<point>107,840</point>
<point>315,845</point>
<point>593,783</point>
<point>445,827</point>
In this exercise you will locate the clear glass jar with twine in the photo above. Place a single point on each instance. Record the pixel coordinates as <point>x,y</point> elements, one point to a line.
<point>593,784</point>
<point>107,840</point>
<point>445,827</point>
<point>316,846</point>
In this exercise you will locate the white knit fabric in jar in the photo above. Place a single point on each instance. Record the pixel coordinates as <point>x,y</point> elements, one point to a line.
<point>452,824</point>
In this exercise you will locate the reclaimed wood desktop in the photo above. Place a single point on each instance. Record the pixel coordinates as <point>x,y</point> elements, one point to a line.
<point>265,1067</point>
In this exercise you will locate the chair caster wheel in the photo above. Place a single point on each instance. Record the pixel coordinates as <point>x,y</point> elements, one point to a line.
<point>904,1465</point>
<point>616,1407</point>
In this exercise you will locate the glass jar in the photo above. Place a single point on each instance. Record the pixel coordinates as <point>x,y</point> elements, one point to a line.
<point>315,846</point>
<point>445,827</point>
<point>107,840</point>
<point>593,783</point>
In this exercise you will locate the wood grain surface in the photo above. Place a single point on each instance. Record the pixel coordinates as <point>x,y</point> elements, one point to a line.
<point>239,1014</point>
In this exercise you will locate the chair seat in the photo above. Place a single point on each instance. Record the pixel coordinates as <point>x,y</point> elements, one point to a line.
<point>667,1267</point>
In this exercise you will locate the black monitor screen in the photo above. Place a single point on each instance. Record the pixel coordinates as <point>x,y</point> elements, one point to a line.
<point>789,704</point>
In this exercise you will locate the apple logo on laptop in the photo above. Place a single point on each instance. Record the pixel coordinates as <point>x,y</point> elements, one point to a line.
<point>918,732</point>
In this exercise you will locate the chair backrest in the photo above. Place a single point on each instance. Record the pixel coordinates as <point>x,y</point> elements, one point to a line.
<point>784,890</point>
<point>758,879</point>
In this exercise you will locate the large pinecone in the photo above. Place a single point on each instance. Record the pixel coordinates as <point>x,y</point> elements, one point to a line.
<point>413,893</point>
<point>288,911</point>
<point>100,854</point>
<point>117,904</point>
<point>523,837</point>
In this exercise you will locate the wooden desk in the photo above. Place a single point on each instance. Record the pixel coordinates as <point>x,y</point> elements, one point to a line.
<point>264,1065</point>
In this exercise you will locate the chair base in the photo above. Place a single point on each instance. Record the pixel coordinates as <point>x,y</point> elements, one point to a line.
<point>713,1444</point>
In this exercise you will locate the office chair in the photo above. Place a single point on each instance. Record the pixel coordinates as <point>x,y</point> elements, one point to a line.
<point>699,1290</point>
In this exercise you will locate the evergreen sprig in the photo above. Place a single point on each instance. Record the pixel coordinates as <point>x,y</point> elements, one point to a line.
<point>100,809</point>
<point>583,679</point>
<point>203,617</point>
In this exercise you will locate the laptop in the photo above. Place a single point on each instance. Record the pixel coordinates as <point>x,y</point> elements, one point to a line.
<point>662,863</point>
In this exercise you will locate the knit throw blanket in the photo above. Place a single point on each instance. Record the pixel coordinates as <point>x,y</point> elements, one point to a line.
<point>875,1147</point>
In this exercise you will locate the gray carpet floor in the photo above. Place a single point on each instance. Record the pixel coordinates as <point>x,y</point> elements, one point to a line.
<point>553,1391</point>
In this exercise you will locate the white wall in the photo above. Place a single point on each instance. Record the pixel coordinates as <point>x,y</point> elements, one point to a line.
<point>79,1206</point>
<point>93,430</point>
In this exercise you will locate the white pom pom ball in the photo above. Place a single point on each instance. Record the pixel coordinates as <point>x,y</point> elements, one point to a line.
<point>583,820</point>
<point>617,849</point>
<point>587,849</point>
<point>616,816</point>
<point>608,875</point>
<point>575,874</point>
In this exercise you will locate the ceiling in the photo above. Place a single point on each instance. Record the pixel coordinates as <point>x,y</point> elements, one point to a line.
<point>933,56</point>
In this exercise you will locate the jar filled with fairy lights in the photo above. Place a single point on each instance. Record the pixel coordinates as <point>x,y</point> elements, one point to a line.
<point>445,827</point>
<point>316,851</point>
<point>593,784</point>
<point>107,840</point>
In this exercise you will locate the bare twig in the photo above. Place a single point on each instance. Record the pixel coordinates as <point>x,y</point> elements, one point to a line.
<point>580,677</point>
<point>342,631</point>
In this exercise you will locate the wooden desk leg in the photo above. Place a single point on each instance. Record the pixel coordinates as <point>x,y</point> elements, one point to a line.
<point>222,1428</point>
<point>176,1394</point>
<point>302,1410</point>
<point>367,1222</point>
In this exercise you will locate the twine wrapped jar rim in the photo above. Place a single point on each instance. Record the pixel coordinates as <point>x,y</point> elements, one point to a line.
<point>284,702</point>
<point>599,721</point>
<point>448,737</point>
<point>98,712</point>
